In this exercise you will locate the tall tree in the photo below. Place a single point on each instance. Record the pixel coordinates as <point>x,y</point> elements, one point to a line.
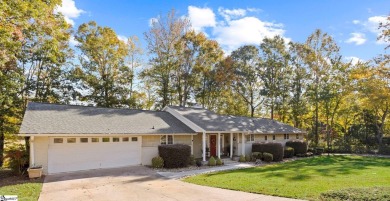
<point>17,19</point>
<point>103,68</point>
<point>374,90</point>
<point>298,101</point>
<point>247,82</point>
<point>164,33</point>
<point>322,50</point>
<point>45,50</point>
<point>133,60</point>
<point>274,70</point>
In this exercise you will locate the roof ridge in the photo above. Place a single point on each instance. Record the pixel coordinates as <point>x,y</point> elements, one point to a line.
<point>94,107</point>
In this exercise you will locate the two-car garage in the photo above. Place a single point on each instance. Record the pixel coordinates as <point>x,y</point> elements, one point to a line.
<point>67,154</point>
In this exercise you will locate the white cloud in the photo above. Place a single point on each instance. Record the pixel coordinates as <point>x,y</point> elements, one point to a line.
<point>355,21</point>
<point>247,30</point>
<point>231,14</point>
<point>73,41</point>
<point>152,20</point>
<point>122,38</point>
<point>357,38</point>
<point>353,60</point>
<point>373,23</point>
<point>201,17</point>
<point>69,10</point>
<point>256,10</point>
<point>234,27</point>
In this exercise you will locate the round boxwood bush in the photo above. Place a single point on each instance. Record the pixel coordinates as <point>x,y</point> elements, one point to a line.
<point>198,163</point>
<point>299,147</point>
<point>192,160</point>
<point>157,162</point>
<point>212,161</point>
<point>175,155</point>
<point>288,152</point>
<point>242,158</point>
<point>274,148</point>
<point>257,155</point>
<point>267,157</point>
<point>219,161</point>
<point>247,158</point>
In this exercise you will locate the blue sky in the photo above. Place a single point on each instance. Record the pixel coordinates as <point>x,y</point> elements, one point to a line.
<point>352,23</point>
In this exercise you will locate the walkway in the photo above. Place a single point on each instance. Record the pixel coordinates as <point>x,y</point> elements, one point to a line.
<point>229,166</point>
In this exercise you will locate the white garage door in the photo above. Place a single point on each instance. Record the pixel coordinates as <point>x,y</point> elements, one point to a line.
<point>73,154</point>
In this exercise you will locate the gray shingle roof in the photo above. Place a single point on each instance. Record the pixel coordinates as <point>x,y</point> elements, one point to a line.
<point>41,118</point>
<point>210,121</point>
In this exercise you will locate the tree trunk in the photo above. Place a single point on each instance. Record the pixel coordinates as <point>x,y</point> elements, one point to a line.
<point>1,143</point>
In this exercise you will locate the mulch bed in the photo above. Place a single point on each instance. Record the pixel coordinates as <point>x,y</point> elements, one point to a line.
<point>7,178</point>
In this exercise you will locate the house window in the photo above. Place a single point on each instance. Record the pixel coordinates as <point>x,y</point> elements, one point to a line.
<point>71,140</point>
<point>115,139</point>
<point>297,136</point>
<point>58,140</point>
<point>286,136</point>
<point>134,139</point>
<point>95,139</point>
<point>250,138</point>
<point>125,139</point>
<point>266,137</point>
<point>84,140</point>
<point>106,139</point>
<point>273,137</point>
<point>166,139</point>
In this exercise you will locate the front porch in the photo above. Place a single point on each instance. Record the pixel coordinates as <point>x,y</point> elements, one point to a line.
<point>222,145</point>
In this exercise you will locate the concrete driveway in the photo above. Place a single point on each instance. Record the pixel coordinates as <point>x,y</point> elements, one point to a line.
<point>133,183</point>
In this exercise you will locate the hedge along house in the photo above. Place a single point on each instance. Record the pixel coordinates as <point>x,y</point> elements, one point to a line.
<point>65,138</point>
<point>222,135</point>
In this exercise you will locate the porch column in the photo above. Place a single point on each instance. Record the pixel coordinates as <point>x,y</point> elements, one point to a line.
<point>243,144</point>
<point>204,145</point>
<point>32,160</point>
<point>192,145</point>
<point>231,145</point>
<point>219,145</point>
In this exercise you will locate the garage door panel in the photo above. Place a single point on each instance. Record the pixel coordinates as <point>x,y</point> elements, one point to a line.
<point>67,157</point>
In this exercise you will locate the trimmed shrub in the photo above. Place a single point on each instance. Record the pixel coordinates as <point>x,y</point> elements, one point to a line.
<point>257,155</point>
<point>276,149</point>
<point>319,150</point>
<point>267,157</point>
<point>192,160</point>
<point>175,155</point>
<point>212,161</point>
<point>385,150</point>
<point>198,163</point>
<point>298,146</point>
<point>370,193</point>
<point>157,162</point>
<point>242,158</point>
<point>248,158</point>
<point>219,161</point>
<point>288,152</point>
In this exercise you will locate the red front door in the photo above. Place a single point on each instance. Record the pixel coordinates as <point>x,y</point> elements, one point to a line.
<point>213,145</point>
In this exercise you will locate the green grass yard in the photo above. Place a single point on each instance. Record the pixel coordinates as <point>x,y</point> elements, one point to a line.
<point>305,178</point>
<point>21,186</point>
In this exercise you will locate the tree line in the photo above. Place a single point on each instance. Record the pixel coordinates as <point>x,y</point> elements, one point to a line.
<point>309,85</point>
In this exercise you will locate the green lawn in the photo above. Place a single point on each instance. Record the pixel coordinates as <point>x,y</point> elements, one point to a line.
<point>304,179</point>
<point>21,186</point>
